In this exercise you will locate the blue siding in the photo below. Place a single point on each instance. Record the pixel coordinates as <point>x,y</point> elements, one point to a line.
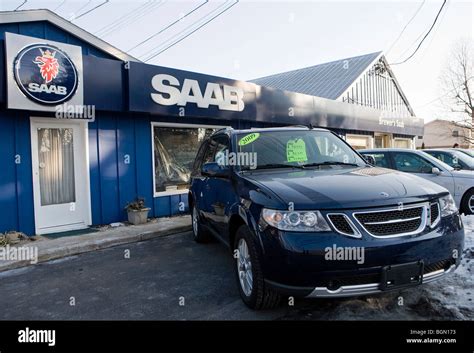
<point>8,198</point>
<point>110,201</point>
<point>16,195</point>
<point>94,174</point>
<point>144,165</point>
<point>126,153</point>
<point>24,181</point>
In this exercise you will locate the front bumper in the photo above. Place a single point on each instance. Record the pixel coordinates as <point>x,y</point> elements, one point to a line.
<point>295,263</point>
<point>370,288</point>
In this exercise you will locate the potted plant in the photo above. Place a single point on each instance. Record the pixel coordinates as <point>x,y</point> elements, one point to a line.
<point>137,211</point>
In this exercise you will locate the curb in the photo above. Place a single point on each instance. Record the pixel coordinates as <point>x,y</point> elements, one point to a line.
<point>93,244</point>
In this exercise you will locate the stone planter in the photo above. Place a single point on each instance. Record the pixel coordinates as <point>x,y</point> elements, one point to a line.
<point>138,216</point>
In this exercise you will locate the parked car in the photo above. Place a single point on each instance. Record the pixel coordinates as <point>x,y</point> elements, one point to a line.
<point>452,157</point>
<point>460,183</point>
<point>465,151</point>
<point>308,197</point>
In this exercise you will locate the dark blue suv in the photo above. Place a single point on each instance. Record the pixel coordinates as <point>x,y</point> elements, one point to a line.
<point>305,215</point>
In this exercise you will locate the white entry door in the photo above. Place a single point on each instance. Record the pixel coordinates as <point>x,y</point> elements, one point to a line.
<point>60,175</point>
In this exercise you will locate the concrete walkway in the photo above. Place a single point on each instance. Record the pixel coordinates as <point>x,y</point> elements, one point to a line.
<point>50,249</point>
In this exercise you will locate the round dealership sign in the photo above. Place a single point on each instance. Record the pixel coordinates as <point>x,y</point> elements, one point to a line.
<point>45,74</point>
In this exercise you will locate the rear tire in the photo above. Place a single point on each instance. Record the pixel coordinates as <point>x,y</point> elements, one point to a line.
<point>248,270</point>
<point>200,234</point>
<point>467,205</point>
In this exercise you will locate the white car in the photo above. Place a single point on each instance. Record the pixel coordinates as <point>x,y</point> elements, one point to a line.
<point>460,183</point>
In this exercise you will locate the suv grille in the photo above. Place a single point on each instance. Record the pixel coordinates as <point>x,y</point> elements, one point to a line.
<point>394,222</point>
<point>434,214</point>
<point>343,225</point>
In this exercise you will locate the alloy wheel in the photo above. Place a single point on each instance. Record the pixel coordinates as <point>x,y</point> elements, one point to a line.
<point>244,268</point>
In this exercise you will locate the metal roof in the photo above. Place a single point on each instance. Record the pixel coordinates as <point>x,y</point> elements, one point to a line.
<point>49,16</point>
<point>327,80</point>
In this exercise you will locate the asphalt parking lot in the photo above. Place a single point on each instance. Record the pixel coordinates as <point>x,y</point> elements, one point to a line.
<point>173,278</point>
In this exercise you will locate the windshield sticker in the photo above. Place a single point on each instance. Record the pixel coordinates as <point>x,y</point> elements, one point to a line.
<point>296,151</point>
<point>249,138</point>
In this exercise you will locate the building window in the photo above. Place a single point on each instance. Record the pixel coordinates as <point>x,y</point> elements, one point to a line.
<point>455,133</point>
<point>402,143</point>
<point>359,142</point>
<point>174,151</point>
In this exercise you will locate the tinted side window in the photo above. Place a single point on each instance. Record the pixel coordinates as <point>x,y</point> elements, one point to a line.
<point>381,159</point>
<point>222,145</point>
<point>198,161</point>
<point>206,155</point>
<point>411,163</point>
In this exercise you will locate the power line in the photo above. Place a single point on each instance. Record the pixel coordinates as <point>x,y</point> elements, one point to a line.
<point>426,35</point>
<point>187,35</point>
<point>123,18</point>
<point>135,17</point>
<point>23,3</point>
<point>170,25</point>
<point>404,28</point>
<point>93,9</point>
<point>186,30</point>
<point>83,7</point>
<point>61,4</point>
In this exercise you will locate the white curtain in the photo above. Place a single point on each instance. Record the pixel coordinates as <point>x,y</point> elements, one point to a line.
<point>56,166</point>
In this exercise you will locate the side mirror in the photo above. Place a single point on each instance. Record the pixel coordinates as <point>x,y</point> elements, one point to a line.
<point>457,166</point>
<point>435,170</point>
<point>213,169</point>
<point>369,159</point>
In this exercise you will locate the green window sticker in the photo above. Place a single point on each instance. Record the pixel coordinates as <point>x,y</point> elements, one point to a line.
<point>296,151</point>
<point>249,138</point>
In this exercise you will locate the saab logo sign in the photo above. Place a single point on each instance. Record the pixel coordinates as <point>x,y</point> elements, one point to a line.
<point>172,92</point>
<point>45,74</point>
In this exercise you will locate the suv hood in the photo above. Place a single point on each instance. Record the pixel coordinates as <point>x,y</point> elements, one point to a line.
<point>342,187</point>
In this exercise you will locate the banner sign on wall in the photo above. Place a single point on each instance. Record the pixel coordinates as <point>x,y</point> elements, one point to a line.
<point>162,90</point>
<point>171,92</point>
<point>42,74</point>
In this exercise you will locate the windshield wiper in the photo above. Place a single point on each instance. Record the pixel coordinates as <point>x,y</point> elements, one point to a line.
<point>279,165</point>
<point>329,163</point>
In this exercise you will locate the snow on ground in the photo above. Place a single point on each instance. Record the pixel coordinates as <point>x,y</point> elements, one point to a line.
<point>450,298</point>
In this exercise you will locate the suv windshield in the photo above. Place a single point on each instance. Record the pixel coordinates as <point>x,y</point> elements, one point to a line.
<point>297,149</point>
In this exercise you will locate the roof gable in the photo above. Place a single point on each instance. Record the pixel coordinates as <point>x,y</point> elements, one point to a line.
<point>329,80</point>
<point>76,34</point>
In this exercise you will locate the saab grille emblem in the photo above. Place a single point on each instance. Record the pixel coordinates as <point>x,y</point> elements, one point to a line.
<point>384,194</point>
<point>45,74</point>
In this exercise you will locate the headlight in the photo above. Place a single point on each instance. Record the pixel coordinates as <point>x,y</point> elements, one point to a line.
<point>447,206</point>
<point>301,221</point>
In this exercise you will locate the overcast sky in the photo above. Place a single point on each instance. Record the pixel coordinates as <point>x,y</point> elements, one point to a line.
<point>258,38</point>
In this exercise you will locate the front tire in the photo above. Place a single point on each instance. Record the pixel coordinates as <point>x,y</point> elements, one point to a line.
<point>200,234</point>
<point>467,205</point>
<point>252,287</point>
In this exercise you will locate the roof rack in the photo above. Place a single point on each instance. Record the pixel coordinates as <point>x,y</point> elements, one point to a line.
<point>309,126</point>
<point>227,128</point>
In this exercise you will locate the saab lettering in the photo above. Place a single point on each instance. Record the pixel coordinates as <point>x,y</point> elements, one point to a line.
<point>169,93</point>
<point>38,88</point>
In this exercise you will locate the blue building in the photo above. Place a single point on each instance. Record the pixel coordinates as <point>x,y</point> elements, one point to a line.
<point>86,128</point>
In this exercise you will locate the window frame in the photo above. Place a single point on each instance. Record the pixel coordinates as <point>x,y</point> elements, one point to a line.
<point>394,163</point>
<point>172,125</point>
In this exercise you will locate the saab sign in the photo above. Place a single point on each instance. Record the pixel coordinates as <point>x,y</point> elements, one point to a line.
<point>169,91</point>
<point>45,74</point>
<point>185,94</point>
